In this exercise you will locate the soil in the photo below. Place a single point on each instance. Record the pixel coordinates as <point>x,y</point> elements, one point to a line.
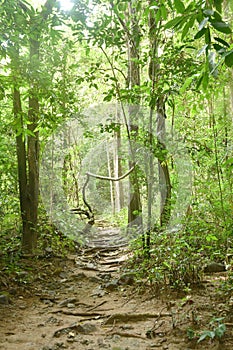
<point>87,302</point>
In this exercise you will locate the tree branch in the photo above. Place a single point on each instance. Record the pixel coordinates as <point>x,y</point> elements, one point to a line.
<point>111,178</point>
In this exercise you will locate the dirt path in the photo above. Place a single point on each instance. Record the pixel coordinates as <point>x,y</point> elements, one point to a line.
<point>86,302</point>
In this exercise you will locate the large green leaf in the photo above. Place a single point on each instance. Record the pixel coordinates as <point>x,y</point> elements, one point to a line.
<point>163,12</point>
<point>220,49</point>
<point>200,33</point>
<point>174,22</point>
<point>218,5</point>
<point>203,23</point>
<point>221,41</point>
<point>187,26</point>
<point>208,12</point>
<point>229,59</point>
<point>222,27</point>
<point>179,6</point>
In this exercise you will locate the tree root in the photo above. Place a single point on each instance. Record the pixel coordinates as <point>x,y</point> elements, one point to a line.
<point>134,317</point>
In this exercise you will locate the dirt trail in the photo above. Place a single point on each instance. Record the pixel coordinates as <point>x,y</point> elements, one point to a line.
<point>86,302</point>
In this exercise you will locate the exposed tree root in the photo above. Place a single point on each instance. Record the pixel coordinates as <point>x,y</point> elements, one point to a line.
<point>78,313</point>
<point>127,335</point>
<point>134,317</point>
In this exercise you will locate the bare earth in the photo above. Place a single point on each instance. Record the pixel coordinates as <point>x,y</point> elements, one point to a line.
<point>86,302</point>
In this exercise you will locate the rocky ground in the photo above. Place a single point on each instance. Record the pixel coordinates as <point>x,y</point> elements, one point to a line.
<point>87,302</point>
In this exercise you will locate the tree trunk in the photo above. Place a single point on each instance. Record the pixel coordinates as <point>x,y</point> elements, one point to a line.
<point>118,186</point>
<point>21,157</point>
<point>158,103</point>
<point>164,176</point>
<point>110,182</point>
<point>29,240</point>
<point>134,207</point>
<point>29,198</point>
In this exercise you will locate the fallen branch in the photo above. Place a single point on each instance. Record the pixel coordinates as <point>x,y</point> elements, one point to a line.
<point>127,335</point>
<point>95,307</point>
<point>77,313</point>
<point>134,317</point>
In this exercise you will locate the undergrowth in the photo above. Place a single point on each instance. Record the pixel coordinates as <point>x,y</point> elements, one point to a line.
<point>177,257</point>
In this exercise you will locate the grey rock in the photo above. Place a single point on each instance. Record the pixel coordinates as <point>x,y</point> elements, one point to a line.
<point>94,279</point>
<point>79,276</point>
<point>112,285</point>
<point>71,306</point>
<point>4,299</point>
<point>98,292</point>
<point>86,328</point>
<point>127,278</point>
<point>214,267</point>
<point>105,276</point>
<point>67,301</point>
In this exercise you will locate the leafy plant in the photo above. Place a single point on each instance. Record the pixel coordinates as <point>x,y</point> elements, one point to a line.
<point>217,330</point>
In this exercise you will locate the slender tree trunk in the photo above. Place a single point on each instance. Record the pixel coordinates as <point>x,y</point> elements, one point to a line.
<point>134,207</point>
<point>118,186</point>
<point>164,175</point>
<point>21,157</point>
<point>231,94</point>
<point>110,182</point>
<point>158,104</point>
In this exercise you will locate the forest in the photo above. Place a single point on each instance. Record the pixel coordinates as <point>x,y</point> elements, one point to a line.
<point>116,134</point>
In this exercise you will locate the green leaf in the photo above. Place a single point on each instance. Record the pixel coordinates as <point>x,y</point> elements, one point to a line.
<point>158,15</point>
<point>207,36</point>
<point>217,17</point>
<point>220,330</point>
<point>208,12</point>
<point>222,41</point>
<point>221,27</point>
<point>202,50</point>
<point>211,237</point>
<point>163,12</point>
<point>229,162</point>
<point>179,6</point>
<point>187,26</point>
<point>200,34</point>
<point>206,334</point>
<point>174,22</point>
<point>203,23</point>
<point>211,60</point>
<point>205,80</point>
<point>199,82</point>
<point>186,84</point>
<point>108,98</point>
<point>229,59</point>
<point>218,5</point>
<point>220,49</point>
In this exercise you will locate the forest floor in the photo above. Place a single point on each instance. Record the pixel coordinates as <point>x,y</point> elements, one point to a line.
<point>87,301</point>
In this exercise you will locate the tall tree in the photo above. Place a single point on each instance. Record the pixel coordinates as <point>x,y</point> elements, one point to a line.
<point>26,36</point>
<point>133,80</point>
